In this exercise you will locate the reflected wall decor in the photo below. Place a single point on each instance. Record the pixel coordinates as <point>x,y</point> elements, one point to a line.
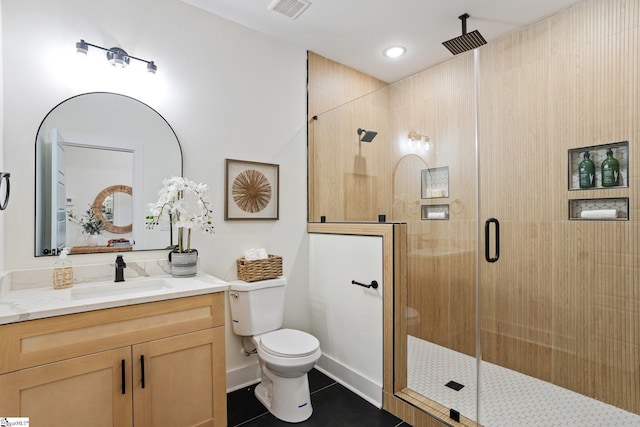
<point>251,190</point>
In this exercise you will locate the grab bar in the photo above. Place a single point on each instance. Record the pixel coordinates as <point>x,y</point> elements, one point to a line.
<point>373,284</point>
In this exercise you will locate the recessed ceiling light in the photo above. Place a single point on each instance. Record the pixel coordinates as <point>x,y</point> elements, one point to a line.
<point>394,51</point>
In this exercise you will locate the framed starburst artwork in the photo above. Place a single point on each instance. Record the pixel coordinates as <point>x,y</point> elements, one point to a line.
<point>252,190</point>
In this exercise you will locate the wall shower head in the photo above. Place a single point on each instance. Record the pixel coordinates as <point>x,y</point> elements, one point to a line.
<point>368,135</point>
<point>466,41</point>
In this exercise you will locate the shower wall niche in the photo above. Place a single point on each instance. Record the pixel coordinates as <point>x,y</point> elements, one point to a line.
<point>597,154</point>
<point>598,201</point>
<point>435,182</point>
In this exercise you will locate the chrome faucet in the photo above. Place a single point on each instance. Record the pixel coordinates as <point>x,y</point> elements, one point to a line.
<point>120,266</point>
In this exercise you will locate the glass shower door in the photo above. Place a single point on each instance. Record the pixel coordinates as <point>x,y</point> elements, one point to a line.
<point>435,193</point>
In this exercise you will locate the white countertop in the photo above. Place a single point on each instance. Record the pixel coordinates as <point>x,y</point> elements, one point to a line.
<point>37,303</point>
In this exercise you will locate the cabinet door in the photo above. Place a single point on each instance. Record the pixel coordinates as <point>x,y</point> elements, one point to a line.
<point>78,392</point>
<point>181,381</point>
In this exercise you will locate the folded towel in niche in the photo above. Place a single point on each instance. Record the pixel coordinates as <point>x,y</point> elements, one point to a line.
<point>436,215</point>
<point>599,214</point>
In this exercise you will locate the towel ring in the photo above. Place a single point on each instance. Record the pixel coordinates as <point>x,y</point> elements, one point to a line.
<point>4,176</point>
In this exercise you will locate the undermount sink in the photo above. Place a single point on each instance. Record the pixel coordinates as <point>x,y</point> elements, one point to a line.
<point>120,288</point>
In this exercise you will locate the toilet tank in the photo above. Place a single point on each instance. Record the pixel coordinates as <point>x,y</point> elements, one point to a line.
<point>256,307</point>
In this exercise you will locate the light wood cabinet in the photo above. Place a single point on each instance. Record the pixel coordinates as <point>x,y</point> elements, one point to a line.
<point>83,391</point>
<point>153,364</point>
<point>184,380</point>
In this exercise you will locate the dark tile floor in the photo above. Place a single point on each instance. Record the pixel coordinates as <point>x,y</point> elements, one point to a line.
<point>333,405</point>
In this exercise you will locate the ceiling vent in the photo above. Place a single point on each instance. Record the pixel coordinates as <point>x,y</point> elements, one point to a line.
<point>290,8</point>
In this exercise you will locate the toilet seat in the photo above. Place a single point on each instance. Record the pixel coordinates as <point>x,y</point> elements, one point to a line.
<point>289,343</point>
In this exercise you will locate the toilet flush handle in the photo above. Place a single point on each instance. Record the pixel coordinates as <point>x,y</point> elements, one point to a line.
<point>234,294</point>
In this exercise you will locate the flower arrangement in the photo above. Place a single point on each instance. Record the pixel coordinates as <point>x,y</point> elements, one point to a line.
<point>176,203</point>
<point>89,222</point>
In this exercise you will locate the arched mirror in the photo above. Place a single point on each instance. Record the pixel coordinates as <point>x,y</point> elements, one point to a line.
<point>101,152</point>
<point>114,206</point>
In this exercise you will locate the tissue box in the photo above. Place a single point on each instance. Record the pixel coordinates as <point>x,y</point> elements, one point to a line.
<point>259,269</point>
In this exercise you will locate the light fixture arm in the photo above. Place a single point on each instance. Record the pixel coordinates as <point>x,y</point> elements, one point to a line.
<point>83,46</point>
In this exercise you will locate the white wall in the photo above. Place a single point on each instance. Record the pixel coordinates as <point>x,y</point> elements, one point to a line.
<point>1,143</point>
<point>228,92</point>
<point>346,318</point>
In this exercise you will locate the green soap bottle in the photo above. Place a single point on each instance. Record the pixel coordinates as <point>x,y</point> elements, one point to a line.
<point>587,172</point>
<point>610,170</point>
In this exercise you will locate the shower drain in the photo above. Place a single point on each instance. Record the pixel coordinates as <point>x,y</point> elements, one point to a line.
<point>454,385</point>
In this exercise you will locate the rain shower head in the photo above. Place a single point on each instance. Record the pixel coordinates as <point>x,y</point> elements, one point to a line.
<point>466,41</point>
<point>368,135</point>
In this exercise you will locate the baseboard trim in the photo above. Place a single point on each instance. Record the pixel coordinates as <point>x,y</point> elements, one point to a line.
<point>362,386</point>
<point>243,377</point>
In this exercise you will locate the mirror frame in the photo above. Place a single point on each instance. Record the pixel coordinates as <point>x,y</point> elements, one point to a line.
<point>181,165</point>
<point>97,208</point>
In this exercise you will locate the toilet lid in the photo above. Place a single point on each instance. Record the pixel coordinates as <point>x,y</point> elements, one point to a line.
<point>289,343</point>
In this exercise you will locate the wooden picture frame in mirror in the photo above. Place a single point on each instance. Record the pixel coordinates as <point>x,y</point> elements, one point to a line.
<point>99,211</point>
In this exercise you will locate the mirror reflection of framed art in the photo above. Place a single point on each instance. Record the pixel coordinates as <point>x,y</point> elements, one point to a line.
<point>251,190</point>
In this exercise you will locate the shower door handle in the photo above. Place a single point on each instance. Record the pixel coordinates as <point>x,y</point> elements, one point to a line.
<point>487,247</point>
<point>4,178</point>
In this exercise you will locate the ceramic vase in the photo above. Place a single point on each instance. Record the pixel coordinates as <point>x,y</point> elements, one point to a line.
<point>92,239</point>
<point>184,264</point>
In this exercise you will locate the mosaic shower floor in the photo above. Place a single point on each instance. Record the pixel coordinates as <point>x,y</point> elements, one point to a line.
<point>508,398</point>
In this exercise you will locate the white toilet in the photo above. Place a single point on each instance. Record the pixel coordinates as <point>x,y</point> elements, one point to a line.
<point>285,355</point>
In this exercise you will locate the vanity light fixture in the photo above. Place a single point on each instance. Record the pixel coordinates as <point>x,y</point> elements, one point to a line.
<point>116,56</point>
<point>394,51</point>
<point>415,136</point>
<point>418,139</point>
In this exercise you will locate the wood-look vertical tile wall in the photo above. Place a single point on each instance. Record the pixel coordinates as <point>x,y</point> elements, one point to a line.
<point>563,302</point>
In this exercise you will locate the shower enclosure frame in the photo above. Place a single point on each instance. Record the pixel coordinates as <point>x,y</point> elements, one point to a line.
<point>575,320</point>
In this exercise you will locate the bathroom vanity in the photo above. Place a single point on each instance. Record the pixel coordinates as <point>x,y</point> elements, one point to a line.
<point>150,356</point>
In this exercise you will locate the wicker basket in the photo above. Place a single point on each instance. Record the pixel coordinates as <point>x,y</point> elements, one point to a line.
<point>259,269</point>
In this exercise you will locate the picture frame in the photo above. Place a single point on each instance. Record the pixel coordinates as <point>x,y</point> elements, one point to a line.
<point>252,190</point>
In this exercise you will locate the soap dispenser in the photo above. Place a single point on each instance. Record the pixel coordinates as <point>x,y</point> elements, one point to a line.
<point>63,271</point>
<point>587,172</point>
<point>610,170</point>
